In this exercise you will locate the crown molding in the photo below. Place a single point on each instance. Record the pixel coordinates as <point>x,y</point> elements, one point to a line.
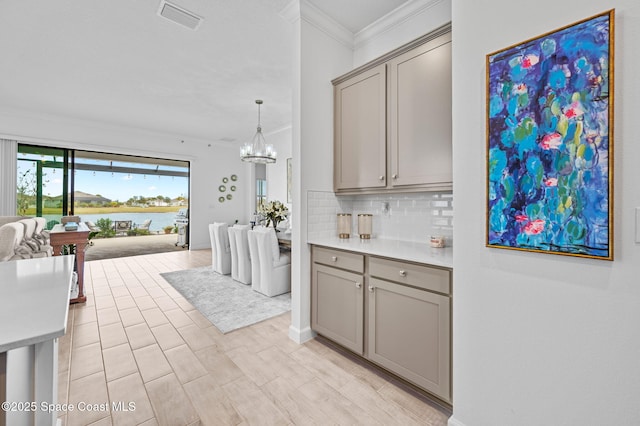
<point>433,35</point>
<point>392,19</point>
<point>314,16</point>
<point>291,12</point>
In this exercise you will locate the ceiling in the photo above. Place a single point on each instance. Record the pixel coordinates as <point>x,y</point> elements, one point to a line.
<point>120,63</point>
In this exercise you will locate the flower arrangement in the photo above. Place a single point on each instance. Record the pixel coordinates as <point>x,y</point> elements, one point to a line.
<point>274,212</point>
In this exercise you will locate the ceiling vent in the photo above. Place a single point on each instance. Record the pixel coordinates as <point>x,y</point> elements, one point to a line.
<point>179,15</point>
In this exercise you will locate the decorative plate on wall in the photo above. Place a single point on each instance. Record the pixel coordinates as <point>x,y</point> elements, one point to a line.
<point>222,188</point>
<point>234,178</point>
<point>229,196</point>
<point>225,180</point>
<point>221,199</point>
<point>233,187</point>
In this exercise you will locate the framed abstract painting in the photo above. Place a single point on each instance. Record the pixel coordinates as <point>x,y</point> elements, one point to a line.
<point>550,142</point>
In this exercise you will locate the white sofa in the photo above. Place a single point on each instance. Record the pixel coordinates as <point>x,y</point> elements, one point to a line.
<point>23,238</point>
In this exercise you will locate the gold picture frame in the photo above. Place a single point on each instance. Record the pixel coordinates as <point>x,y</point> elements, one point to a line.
<point>549,164</point>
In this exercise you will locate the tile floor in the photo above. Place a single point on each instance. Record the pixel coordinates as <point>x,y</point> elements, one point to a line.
<point>138,344</point>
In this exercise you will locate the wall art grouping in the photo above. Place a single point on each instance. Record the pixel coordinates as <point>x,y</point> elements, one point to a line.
<point>550,142</point>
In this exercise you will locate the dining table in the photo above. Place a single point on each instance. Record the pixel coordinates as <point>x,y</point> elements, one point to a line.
<point>284,240</point>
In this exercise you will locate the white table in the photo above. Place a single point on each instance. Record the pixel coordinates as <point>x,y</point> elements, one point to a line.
<point>34,305</point>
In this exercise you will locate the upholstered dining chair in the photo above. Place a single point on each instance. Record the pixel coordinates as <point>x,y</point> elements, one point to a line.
<point>220,249</point>
<point>275,267</point>
<point>255,258</point>
<point>240,256</point>
<point>233,251</point>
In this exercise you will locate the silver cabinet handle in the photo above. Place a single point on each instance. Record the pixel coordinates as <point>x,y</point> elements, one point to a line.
<point>380,177</point>
<point>334,258</point>
<point>358,285</point>
<point>403,273</point>
<point>395,176</point>
<point>371,288</point>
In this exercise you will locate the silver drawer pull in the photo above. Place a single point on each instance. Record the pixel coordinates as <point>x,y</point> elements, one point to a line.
<point>358,285</point>
<point>395,176</point>
<point>334,258</point>
<point>380,177</point>
<point>371,288</point>
<point>403,273</point>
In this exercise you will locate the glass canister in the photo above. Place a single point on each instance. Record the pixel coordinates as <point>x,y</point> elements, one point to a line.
<point>344,225</point>
<point>364,225</point>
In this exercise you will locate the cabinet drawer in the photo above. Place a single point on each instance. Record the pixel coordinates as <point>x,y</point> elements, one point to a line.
<point>340,259</point>
<point>428,278</point>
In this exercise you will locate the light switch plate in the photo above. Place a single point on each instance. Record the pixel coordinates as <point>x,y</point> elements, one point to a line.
<point>637,224</point>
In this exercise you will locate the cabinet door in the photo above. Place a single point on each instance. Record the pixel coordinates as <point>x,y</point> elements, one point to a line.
<point>337,304</point>
<point>360,131</point>
<point>409,334</point>
<point>420,115</point>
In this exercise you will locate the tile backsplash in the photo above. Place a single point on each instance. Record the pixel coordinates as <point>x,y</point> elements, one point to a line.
<point>407,217</point>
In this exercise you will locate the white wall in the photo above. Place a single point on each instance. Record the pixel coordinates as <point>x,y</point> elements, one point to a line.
<point>277,173</point>
<point>541,339</point>
<point>319,58</point>
<point>209,164</point>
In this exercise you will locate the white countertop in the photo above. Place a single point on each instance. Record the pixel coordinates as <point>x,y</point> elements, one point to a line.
<point>34,300</point>
<point>401,250</point>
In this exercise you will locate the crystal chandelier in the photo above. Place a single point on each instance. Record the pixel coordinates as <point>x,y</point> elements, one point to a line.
<point>257,151</point>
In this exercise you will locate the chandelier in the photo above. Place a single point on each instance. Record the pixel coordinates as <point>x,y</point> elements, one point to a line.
<point>258,151</point>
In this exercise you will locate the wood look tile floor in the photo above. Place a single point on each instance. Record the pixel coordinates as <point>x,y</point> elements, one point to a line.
<point>139,345</point>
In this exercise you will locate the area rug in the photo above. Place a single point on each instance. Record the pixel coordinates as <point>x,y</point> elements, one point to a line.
<point>228,304</point>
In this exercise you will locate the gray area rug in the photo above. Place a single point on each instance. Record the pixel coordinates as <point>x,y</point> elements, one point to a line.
<point>228,304</point>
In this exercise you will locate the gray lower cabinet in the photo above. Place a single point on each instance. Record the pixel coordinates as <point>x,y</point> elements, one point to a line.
<point>396,314</point>
<point>337,306</point>
<point>409,334</point>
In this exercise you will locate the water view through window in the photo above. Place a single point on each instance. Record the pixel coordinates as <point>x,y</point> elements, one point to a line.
<point>101,188</point>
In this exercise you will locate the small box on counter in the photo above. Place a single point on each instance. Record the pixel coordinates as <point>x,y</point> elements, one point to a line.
<point>70,226</point>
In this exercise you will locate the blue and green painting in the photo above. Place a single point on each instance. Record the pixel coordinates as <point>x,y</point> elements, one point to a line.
<point>549,142</point>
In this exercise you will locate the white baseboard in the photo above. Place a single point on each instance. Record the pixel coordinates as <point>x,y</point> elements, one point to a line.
<point>453,422</point>
<point>301,336</point>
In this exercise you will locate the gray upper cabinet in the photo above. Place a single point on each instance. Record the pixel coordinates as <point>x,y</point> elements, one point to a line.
<point>420,116</point>
<point>360,131</point>
<point>392,120</point>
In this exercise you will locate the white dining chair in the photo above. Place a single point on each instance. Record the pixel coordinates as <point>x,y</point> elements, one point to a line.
<point>220,248</point>
<point>233,251</point>
<point>240,255</point>
<point>255,257</point>
<point>275,267</point>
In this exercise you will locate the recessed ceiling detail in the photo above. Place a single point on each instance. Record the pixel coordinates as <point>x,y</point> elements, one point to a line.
<point>179,15</point>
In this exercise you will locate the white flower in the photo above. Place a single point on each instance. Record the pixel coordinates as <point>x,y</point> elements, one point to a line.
<point>274,211</point>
